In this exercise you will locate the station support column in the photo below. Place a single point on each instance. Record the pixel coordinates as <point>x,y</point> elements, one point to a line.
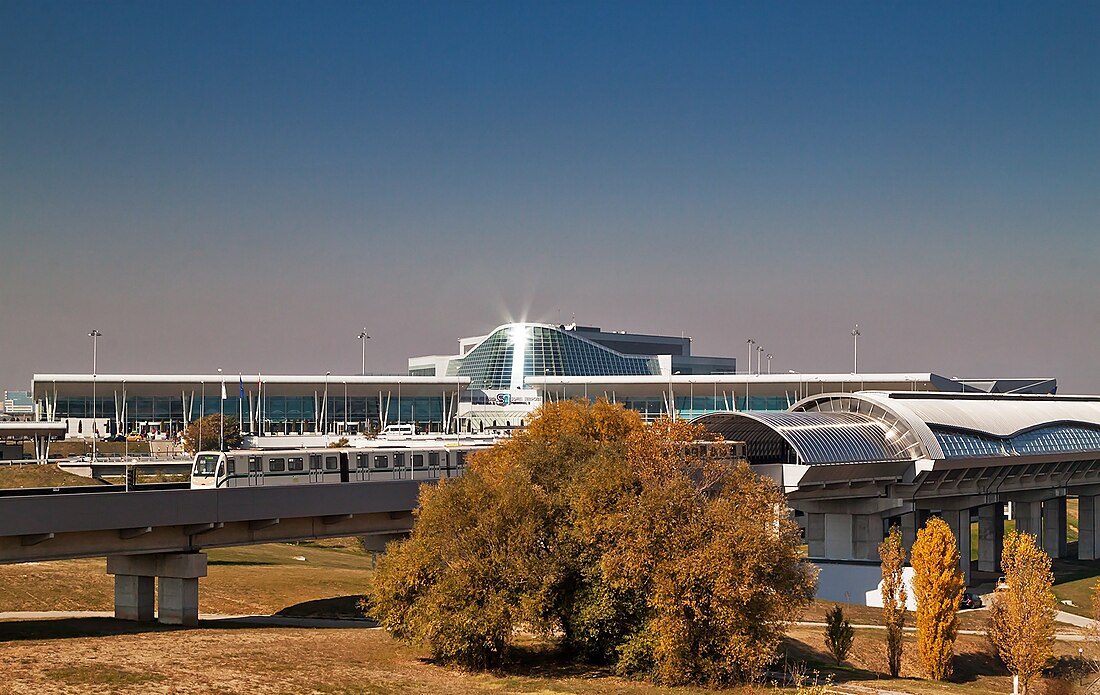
<point>1088,544</point>
<point>177,575</point>
<point>991,533</point>
<point>1029,518</point>
<point>1054,527</point>
<point>959,521</point>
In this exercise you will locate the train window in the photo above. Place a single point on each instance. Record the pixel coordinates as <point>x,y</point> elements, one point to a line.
<point>382,461</point>
<point>361,461</point>
<point>433,458</point>
<point>314,462</point>
<point>232,465</point>
<point>418,460</point>
<point>460,458</point>
<point>332,463</point>
<point>398,460</point>
<point>254,464</point>
<point>276,465</point>
<point>205,464</point>
<point>295,464</point>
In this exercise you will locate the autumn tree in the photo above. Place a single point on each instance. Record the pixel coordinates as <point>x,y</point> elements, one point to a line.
<point>206,434</point>
<point>839,633</point>
<point>938,586</point>
<point>1021,618</point>
<point>622,542</point>
<point>894,596</point>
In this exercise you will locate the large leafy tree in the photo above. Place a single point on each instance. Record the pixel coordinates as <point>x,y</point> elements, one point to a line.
<point>892,554</point>
<point>205,434</point>
<point>1021,619</point>
<point>938,585</point>
<point>620,541</point>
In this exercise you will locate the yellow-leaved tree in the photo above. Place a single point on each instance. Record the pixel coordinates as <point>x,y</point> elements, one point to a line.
<point>624,543</point>
<point>1021,619</point>
<point>938,586</point>
<point>892,553</point>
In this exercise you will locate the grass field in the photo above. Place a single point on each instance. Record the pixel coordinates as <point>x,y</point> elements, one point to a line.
<point>39,475</point>
<point>326,578</point>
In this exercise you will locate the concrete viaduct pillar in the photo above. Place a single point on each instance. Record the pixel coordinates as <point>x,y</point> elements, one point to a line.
<point>1054,527</point>
<point>1029,518</point>
<point>959,521</point>
<point>843,536</point>
<point>177,575</point>
<point>1088,543</point>
<point>991,533</point>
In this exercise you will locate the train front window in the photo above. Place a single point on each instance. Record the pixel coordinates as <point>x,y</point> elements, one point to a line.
<point>205,464</point>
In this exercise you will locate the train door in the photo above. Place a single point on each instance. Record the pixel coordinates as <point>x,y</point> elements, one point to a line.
<point>230,471</point>
<point>362,466</point>
<point>316,473</point>
<point>345,473</point>
<point>255,471</point>
<point>399,465</point>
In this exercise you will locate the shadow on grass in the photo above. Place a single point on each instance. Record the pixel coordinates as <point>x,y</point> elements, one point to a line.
<point>796,652</point>
<point>967,667</point>
<point>240,563</point>
<point>339,607</point>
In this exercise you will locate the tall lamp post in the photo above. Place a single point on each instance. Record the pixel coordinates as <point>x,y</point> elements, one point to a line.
<point>759,352</point>
<point>769,363</point>
<point>324,407</point>
<point>855,349</point>
<point>221,414</point>
<point>748,366</point>
<point>95,336</point>
<point>363,338</point>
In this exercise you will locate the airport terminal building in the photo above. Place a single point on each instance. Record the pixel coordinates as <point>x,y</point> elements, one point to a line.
<point>494,383</point>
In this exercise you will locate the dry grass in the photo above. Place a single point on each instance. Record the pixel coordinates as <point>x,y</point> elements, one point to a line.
<point>39,475</point>
<point>107,656</point>
<point>250,579</point>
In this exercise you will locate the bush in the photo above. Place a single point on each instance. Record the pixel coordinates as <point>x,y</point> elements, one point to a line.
<point>839,633</point>
<point>617,540</point>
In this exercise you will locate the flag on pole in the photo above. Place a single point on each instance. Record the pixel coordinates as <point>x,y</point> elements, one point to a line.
<point>239,376</point>
<point>223,390</point>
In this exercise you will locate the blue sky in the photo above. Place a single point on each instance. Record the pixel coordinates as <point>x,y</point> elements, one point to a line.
<point>245,185</point>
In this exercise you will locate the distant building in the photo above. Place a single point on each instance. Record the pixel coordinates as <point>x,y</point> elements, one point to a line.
<point>18,404</point>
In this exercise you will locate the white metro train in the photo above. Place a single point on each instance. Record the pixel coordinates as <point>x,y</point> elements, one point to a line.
<point>413,459</point>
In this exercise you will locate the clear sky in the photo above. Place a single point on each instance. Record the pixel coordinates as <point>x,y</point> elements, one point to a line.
<point>246,185</point>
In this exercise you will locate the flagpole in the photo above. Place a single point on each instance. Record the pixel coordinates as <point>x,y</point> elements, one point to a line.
<point>240,401</point>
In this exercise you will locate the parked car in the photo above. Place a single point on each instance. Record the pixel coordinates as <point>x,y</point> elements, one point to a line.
<point>135,437</point>
<point>970,601</point>
<point>116,438</point>
<point>1002,584</point>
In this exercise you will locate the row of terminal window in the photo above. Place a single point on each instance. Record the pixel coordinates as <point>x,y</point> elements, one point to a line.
<point>332,463</point>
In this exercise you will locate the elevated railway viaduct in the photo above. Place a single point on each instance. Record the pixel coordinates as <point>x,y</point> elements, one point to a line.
<point>156,537</point>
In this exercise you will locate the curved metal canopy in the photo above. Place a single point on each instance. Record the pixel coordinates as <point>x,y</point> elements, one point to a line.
<point>809,438</point>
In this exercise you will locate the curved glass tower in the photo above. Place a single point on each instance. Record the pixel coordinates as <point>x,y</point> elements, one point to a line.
<point>516,351</point>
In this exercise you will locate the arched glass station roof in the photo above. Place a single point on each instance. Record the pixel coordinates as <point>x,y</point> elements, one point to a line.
<point>877,426</point>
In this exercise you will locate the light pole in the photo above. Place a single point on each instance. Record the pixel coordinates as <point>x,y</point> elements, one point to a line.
<point>363,338</point>
<point>95,336</point>
<point>855,349</point>
<point>759,352</point>
<point>769,363</point>
<point>221,414</point>
<point>748,367</point>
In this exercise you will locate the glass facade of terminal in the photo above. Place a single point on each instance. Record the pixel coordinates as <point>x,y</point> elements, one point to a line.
<point>280,414</point>
<point>510,354</point>
<point>1053,439</point>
